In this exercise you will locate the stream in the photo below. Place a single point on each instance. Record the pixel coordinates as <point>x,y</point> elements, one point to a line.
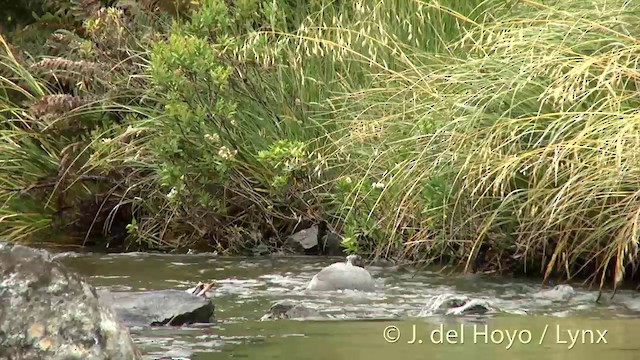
<point>371,326</point>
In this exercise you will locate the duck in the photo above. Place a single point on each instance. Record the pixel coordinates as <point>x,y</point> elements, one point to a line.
<point>348,275</point>
<point>201,289</point>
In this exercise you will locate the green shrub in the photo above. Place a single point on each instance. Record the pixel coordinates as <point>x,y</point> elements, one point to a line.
<point>500,135</point>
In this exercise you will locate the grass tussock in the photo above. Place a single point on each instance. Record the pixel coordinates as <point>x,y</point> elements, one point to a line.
<point>501,136</point>
<point>519,150</point>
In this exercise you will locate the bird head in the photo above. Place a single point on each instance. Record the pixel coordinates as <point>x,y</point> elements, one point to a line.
<point>355,260</point>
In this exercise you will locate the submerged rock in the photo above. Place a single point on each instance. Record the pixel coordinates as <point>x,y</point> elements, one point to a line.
<point>294,310</point>
<point>557,293</point>
<point>289,310</point>
<point>452,304</point>
<point>471,307</point>
<point>48,312</point>
<point>631,303</point>
<point>347,275</point>
<point>386,266</point>
<point>157,308</point>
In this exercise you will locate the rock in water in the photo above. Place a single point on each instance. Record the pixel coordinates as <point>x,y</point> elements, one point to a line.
<point>304,240</point>
<point>473,306</point>
<point>48,312</point>
<point>343,276</point>
<point>557,293</point>
<point>163,307</point>
<point>452,304</point>
<point>289,310</point>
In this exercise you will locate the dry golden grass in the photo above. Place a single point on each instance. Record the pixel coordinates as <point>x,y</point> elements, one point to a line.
<point>499,134</point>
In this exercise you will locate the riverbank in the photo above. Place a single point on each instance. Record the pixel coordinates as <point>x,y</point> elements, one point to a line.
<point>500,136</point>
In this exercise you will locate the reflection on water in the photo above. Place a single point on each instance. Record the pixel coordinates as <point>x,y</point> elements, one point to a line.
<point>247,287</point>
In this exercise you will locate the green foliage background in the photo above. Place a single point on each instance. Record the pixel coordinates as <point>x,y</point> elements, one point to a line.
<point>500,135</point>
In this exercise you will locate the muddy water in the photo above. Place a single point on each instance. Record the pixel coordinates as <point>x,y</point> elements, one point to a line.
<point>389,323</point>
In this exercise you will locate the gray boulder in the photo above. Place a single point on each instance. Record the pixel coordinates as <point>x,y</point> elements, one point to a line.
<point>348,275</point>
<point>157,308</point>
<point>304,240</point>
<point>49,312</point>
<point>316,240</point>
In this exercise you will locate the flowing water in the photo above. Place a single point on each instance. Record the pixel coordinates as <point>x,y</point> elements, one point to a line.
<point>394,321</point>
